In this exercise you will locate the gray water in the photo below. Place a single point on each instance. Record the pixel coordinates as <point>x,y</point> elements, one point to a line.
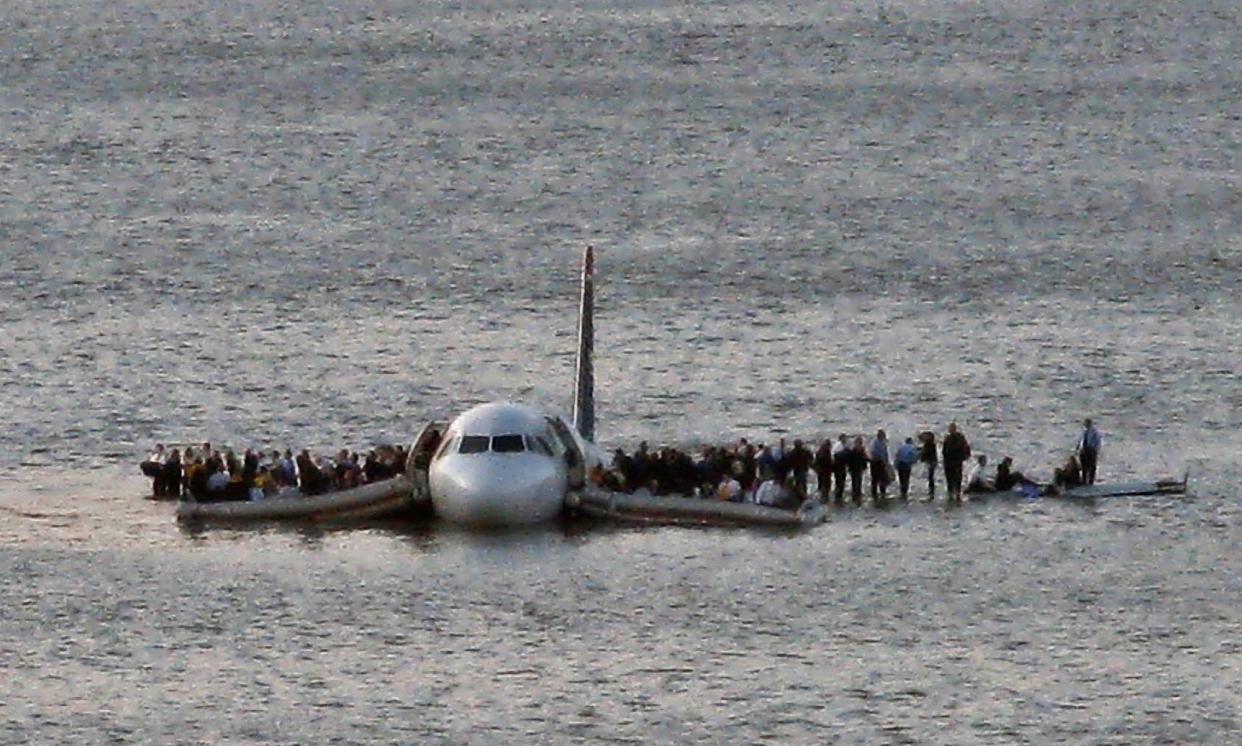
<point>320,224</point>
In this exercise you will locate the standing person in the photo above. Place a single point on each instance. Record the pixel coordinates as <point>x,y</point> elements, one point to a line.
<point>907,456</point>
<point>153,467</point>
<point>823,469</point>
<point>878,457</point>
<point>188,457</point>
<point>640,466</point>
<point>250,468</point>
<point>927,455</point>
<point>1088,451</point>
<point>856,459</point>
<point>195,474</point>
<point>766,463</point>
<point>779,452</point>
<point>956,451</point>
<point>623,467</point>
<point>232,464</point>
<point>289,468</point>
<point>800,458</point>
<point>311,478</point>
<point>840,466</point>
<point>172,474</point>
<point>747,465</point>
<point>275,465</point>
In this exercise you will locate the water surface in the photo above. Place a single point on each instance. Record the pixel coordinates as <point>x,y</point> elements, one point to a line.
<point>322,224</point>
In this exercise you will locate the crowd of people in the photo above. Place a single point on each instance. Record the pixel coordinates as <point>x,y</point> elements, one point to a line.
<point>778,475</point>
<point>207,474</point>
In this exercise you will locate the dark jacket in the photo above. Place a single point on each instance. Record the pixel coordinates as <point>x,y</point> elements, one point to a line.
<point>856,459</point>
<point>800,459</point>
<point>823,458</point>
<point>956,449</point>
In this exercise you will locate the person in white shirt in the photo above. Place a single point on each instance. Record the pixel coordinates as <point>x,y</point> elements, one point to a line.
<point>977,480</point>
<point>770,493</point>
<point>839,467</point>
<point>776,495</point>
<point>153,467</point>
<point>730,489</point>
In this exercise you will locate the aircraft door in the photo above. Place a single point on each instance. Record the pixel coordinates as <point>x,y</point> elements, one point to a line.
<point>421,450</point>
<point>574,461</point>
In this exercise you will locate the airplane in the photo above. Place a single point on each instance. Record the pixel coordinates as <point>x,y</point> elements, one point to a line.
<point>510,464</point>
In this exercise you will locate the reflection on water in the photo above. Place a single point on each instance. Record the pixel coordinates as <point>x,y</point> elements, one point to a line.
<point>999,617</point>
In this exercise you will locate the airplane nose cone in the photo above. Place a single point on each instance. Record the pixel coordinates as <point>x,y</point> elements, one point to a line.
<point>497,489</point>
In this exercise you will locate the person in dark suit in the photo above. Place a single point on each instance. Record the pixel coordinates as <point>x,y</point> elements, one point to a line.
<point>955,451</point>
<point>927,455</point>
<point>857,461</point>
<point>823,469</point>
<point>800,459</point>
<point>172,474</point>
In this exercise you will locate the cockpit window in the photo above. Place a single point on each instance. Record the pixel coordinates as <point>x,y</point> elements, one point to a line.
<point>535,444</point>
<point>448,446</point>
<point>508,444</point>
<point>473,444</point>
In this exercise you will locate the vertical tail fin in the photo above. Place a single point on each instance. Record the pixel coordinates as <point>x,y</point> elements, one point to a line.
<point>584,389</point>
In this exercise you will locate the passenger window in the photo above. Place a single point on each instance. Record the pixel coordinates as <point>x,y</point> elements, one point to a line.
<point>508,444</point>
<point>473,444</point>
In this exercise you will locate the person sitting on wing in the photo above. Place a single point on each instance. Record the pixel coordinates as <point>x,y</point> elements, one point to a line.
<point>1006,477</point>
<point>1069,475</point>
<point>730,489</point>
<point>770,493</point>
<point>977,480</point>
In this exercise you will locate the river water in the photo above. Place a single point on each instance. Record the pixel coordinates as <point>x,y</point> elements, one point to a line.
<point>320,224</point>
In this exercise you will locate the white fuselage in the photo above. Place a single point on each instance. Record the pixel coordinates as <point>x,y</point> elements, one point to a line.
<point>506,464</point>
